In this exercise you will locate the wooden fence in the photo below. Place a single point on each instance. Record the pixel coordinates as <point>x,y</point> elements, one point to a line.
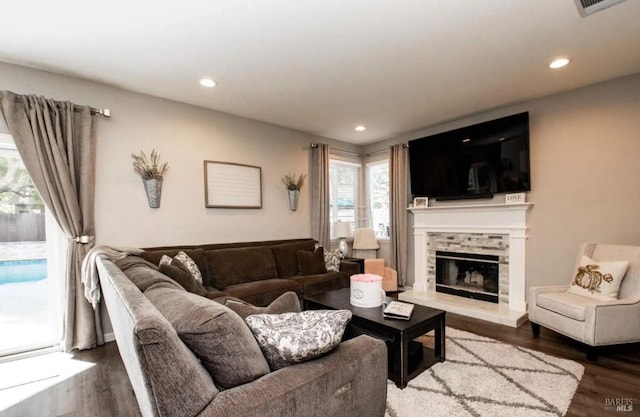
<point>22,227</point>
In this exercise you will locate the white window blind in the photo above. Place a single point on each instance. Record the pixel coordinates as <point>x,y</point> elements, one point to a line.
<point>378,193</point>
<point>344,192</point>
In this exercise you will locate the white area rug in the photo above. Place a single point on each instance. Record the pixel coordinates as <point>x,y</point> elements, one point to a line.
<point>482,377</point>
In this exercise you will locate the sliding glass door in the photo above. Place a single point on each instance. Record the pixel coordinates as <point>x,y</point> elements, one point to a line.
<point>29,287</point>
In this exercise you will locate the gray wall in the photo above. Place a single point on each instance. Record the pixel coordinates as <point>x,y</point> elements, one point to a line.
<point>185,136</point>
<point>584,147</point>
<point>585,172</point>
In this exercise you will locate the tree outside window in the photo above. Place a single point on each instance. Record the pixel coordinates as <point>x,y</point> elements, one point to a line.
<point>17,192</point>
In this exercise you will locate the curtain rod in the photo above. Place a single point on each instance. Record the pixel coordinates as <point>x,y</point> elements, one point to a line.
<point>404,145</point>
<point>102,112</point>
<point>315,145</point>
<point>377,152</point>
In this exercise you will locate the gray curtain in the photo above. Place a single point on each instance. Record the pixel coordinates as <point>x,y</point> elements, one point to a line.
<point>56,141</point>
<point>320,194</point>
<point>398,191</point>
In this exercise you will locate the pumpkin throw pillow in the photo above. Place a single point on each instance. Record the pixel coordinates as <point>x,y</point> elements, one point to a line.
<point>598,280</point>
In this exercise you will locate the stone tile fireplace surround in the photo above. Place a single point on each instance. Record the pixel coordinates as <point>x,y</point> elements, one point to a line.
<point>493,229</point>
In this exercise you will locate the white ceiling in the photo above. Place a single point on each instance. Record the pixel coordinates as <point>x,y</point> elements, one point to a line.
<point>324,66</point>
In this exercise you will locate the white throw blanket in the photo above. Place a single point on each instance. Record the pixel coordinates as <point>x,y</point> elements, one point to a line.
<point>90,277</point>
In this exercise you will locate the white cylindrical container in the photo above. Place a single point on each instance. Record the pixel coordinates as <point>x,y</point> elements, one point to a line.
<point>366,290</point>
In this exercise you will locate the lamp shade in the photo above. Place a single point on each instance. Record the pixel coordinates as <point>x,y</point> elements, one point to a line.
<point>341,229</point>
<point>365,239</point>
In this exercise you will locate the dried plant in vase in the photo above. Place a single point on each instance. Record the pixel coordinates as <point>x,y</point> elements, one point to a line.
<point>149,168</point>
<point>293,184</point>
<point>152,172</point>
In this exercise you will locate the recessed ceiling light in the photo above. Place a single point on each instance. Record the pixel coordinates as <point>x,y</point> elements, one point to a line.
<point>207,82</point>
<point>466,140</point>
<point>559,63</point>
<point>361,128</point>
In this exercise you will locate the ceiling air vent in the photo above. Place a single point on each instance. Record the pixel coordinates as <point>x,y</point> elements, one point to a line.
<point>587,7</point>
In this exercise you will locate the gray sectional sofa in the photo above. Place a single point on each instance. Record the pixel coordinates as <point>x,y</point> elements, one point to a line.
<point>169,379</point>
<point>258,272</point>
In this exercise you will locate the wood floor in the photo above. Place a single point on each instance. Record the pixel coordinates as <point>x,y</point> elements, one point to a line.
<point>104,390</point>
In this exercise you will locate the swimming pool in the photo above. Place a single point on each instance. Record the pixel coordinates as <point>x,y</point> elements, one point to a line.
<point>22,271</point>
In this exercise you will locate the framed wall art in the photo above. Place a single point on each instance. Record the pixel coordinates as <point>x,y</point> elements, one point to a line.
<point>231,185</point>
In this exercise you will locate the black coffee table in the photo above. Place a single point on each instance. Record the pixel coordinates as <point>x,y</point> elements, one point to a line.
<point>405,362</point>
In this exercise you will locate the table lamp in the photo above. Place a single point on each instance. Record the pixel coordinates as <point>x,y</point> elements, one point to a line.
<point>342,230</point>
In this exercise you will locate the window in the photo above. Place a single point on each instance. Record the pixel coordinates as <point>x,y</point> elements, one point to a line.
<point>378,192</point>
<point>345,202</point>
<point>344,192</point>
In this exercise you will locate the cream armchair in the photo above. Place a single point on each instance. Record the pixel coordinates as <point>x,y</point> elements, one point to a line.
<point>592,322</point>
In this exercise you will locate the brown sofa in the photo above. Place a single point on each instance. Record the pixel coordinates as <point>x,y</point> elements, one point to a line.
<point>257,272</point>
<point>170,380</point>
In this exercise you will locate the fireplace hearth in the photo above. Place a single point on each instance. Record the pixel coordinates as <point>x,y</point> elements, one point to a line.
<point>469,275</point>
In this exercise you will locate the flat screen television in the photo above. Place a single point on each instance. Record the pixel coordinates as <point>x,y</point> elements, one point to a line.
<point>472,162</point>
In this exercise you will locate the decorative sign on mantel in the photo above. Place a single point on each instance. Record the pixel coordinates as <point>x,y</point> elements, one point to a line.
<point>229,185</point>
<point>516,198</point>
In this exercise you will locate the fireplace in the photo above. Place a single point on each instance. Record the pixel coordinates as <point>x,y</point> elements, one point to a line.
<point>488,229</point>
<point>468,275</point>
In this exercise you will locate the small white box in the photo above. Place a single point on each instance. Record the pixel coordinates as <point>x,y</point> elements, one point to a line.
<point>366,290</point>
<point>516,198</point>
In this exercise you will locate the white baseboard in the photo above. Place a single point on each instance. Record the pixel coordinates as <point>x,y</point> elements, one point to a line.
<point>109,337</point>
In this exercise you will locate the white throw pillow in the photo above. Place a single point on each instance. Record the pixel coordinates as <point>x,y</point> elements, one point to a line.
<point>598,280</point>
<point>290,338</point>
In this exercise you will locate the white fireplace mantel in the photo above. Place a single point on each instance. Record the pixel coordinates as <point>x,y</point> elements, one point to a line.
<point>503,219</point>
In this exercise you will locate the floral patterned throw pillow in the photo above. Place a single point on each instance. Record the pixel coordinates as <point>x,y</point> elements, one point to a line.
<point>187,262</point>
<point>191,265</point>
<point>332,260</point>
<point>290,338</point>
